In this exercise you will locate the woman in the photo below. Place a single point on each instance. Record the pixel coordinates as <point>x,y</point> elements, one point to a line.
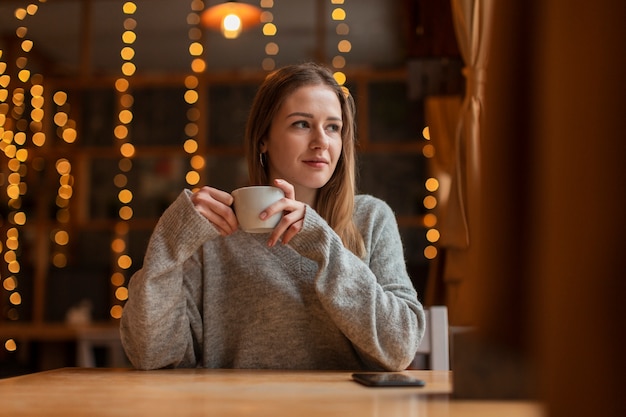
<point>327,289</point>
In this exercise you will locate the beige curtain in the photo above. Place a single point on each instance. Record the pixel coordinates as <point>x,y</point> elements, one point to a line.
<point>460,192</point>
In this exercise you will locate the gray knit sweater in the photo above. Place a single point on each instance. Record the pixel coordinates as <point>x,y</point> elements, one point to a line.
<point>203,300</point>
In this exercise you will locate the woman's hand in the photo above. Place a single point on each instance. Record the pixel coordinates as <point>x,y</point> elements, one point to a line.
<point>293,214</point>
<point>215,205</point>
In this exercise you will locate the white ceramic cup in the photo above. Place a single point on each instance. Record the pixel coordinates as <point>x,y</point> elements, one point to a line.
<point>250,202</point>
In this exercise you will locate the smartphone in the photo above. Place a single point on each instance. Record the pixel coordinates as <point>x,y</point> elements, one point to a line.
<point>387,380</point>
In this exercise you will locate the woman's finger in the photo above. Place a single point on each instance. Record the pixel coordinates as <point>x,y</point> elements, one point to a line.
<point>214,205</point>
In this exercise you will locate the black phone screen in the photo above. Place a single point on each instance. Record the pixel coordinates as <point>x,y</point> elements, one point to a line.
<point>387,380</point>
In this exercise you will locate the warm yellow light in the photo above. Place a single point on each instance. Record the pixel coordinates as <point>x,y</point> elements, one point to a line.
<point>19,218</point>
<point>21,155</point>
<point>432,184</point>
<point>12,244</point>
<point>191,96</point>
<point>428,151</point>
<point>430,220</point>
<point>129,37</point>
<point>37,114</point>
<point>124,262</point>
<point>24,75</point>
<point>271,48</point>
<point>118,246</point>
<point>10,284</point>
<point>32,8</point>
<point>15,298</point>
<point>433,235</point>
<point>121,85</point>
<point>60,98</point>
<point>116,312</point>
<point>192,178</point>
<point>231,18</point>
<point>37,91</point>
<point>128,68</point>
<point>197,162</point>
<point>120,132</point>
<point>61,238</point>
<point>191,82</point>
<point>127,53</point>
<point>125,116</point>
<point>338,14</point>
<point>126,213</point>
<point>20,13</point>
<point>129,7</point>
<point>344,46</point>
<point>60,119</point>
<point>231,26</point>
<point>198,65</point>
<point>190,146</point>
<point>426,133</point>
<point>127,150</point>
<point>10,256</point>
<point>430,252</point>
<point>430,202</point>
<point>117,279</point>
<point>69,135</point>
<point>125,196</point>
<point>269,29</point>
<point>20,138</point>
<point>340,77</point>
<point>13,191</point>
<point>65,192</point>
<point>121,293</point>
<point>10,345</point>
<point>196,49</point>
<point>339,62</point>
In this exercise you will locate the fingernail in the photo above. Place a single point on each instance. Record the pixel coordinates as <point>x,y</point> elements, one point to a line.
<point>263,215</point>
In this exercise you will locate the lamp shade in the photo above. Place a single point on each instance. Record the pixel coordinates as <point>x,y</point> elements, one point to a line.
<point>231,17</point>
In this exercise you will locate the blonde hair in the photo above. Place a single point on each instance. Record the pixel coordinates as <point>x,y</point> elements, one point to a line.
<point>335,200</point>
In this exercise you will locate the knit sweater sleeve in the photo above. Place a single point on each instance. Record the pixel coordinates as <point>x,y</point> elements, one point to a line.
<point>162,314</point>
<point>371,300</point>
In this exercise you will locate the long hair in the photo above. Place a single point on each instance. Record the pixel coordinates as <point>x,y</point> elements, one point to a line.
<point>335,200</point>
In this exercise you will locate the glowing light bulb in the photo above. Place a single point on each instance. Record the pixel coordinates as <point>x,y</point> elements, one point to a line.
<point>231,26</point>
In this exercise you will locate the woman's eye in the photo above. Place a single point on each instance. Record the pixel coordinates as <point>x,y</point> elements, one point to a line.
<point>334,128</point>
<point>301,124</point>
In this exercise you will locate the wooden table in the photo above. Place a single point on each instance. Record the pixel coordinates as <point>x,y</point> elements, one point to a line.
<point>202,392</point>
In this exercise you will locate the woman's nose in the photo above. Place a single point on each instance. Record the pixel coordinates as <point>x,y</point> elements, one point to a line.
<point>319,139</point>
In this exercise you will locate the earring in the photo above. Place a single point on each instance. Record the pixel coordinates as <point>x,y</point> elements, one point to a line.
<point>262,159</point>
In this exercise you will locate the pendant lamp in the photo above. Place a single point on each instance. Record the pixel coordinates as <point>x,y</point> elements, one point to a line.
<point>231,18</point>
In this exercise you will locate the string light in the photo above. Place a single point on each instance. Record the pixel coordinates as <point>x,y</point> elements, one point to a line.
<point>344,46</point>
<point>192,95</point>
<point>269,31</point>
<point>119,245</point>
<point>430,202</point>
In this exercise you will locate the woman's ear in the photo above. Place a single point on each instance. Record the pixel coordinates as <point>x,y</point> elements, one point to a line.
<point>262,146</point>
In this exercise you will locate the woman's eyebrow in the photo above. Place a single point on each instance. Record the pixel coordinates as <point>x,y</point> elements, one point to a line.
<point>310,116</point>
<point>300,114</point>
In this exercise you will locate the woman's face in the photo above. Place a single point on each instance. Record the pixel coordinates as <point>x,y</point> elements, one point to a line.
<point>304,142</point>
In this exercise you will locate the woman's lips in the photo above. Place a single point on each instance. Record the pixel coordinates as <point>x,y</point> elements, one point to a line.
<point>316,163</point>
